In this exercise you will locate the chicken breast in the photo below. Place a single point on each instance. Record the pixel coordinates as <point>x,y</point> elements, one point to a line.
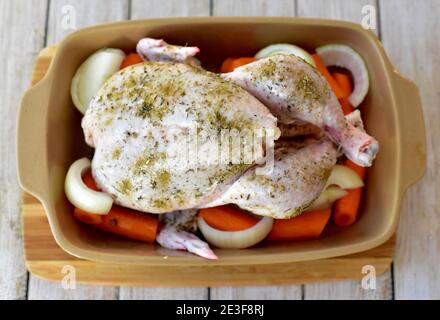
<point>294,90</point>
<point>299,175</point>
<point>154,127</point>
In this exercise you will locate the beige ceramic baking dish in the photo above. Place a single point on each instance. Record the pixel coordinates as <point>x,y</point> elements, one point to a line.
<point>50,137</point>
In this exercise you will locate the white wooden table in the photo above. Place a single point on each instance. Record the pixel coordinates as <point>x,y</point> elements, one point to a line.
<point>410,31</point>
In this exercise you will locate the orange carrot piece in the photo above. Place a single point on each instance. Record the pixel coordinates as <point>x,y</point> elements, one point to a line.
<point>241,62</point>
<point>228,218</point>
<point>121,221</point>
<point>87,218</point>
<point>308,225</point>
<point>131,59</point>
<point>344,83</point>
<point>332,82</point>
<point>226,65</point>
<point>359,170</point>
<point>346,106</point>
<point>89,181</point>
<point>130,223</point>
<point>231,63</point>
<point>346,208</point>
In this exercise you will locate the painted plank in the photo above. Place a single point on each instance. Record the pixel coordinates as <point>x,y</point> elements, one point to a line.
<point>286,292</point>
<point>44,290</point>
<point>141,9</point>
<point>350,11</point>
<point>410,34</point>
<point>350,290</point>
<point>155,9</point>
<point>255,8</point>
<point>64,17</point>
<point>128,293</point>
<point>28,21</point>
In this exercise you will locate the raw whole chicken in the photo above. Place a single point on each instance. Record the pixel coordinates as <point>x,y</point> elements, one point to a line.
<point>294,90</point>
<point>142,121</point>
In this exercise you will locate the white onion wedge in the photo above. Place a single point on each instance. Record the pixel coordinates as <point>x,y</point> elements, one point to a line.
<point>344,178</point>
<point>236,239</point>
<point>80,195</point>
<point>285,48</point>
<point>92,74</point>
<point>345,57</point>
<point>327,197</point>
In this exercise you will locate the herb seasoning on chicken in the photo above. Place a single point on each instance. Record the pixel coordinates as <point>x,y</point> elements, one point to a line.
<point>140,123</point>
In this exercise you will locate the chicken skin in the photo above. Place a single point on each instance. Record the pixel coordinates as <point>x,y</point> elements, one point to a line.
<point>299,174</point>
<point>158,50</point>
<point>178,234</point>
<point>143,123</point>
<point>294,90</point>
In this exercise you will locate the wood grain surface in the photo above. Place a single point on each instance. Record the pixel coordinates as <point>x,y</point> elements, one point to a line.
<point>411,39</point>
<point>29,30</point>
<point>410,33</point>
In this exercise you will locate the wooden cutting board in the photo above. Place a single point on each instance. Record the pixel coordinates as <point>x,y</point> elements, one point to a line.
<point>45,259</point>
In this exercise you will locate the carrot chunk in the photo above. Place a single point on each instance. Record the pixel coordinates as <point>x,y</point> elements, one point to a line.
<point>231,63</point>
<point>324,71</point>
<point>121,221</point>
<point>308,225</point>
<point>131,59</point>
<point>228,218</point>
<point>346,209</point>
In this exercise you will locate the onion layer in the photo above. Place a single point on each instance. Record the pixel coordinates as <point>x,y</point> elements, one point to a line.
<point>80,195</point>
<point>285,48</point>
<point>236,239</point>
<point>343,56</point>
<point>327,197</point>
<point>92,74</point>
<point>344,177</point>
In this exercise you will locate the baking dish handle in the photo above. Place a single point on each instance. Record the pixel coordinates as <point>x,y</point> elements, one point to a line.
<point>31,140</point>
<point>412,130</point>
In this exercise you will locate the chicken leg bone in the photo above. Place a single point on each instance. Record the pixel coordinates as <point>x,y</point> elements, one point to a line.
<point>177,234</point>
